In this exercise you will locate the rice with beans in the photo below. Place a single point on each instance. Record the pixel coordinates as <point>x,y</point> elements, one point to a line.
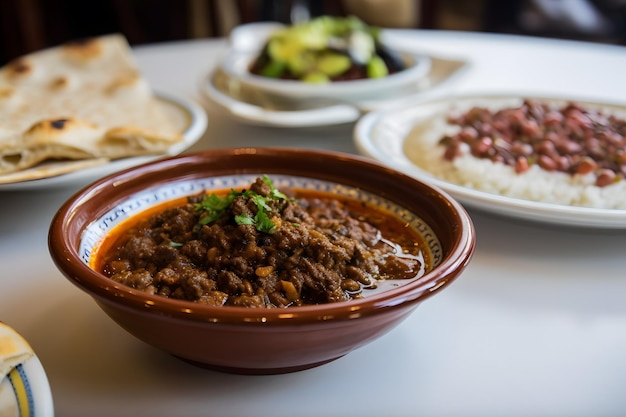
<point>565,180</point>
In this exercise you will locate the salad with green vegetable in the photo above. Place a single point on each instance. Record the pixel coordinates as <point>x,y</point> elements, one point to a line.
<point>327,49</point>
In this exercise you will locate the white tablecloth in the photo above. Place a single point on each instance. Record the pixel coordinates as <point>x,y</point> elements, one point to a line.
<point>535,327</point>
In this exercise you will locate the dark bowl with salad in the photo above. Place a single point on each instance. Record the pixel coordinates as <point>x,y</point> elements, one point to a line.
<point>260,260</point>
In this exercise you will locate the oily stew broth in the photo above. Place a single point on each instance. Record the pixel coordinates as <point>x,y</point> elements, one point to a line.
<point>323,248</point>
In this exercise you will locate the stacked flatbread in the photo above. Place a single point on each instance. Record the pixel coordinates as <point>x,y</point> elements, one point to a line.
<point>81,103</point>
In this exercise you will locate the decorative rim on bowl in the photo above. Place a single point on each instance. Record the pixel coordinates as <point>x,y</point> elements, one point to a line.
<point>72,220</point>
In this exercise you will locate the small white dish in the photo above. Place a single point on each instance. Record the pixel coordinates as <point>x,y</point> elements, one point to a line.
<point>25,391</point>
<point>248,40</point>
<point>237,65</point>
<point>382,135</point>
<point>24,387</point>
<point>192,121</point>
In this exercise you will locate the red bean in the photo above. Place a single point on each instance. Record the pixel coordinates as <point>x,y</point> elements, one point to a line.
<point>547,163</point>
<point>468,133</point>
<point>482,146</point>
<point>605,177</point>
<point>452,151</point>
<point>565,146</point>
<point>563,163</point>
<point>553,118</point>
<point>546,147</point>
<point>586,166</point>
<point>531,128</point>
<point>523,149</point>
<point>521,165</point>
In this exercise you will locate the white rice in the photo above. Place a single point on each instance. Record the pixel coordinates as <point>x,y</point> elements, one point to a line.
<point>536,184</point>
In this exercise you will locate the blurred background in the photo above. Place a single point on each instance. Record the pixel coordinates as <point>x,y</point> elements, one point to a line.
<point>29,25</point>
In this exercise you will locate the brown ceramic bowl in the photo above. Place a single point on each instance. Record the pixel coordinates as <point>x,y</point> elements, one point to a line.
<point>257,340</point>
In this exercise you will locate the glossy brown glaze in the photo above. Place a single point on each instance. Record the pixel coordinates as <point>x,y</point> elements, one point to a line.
<point>261,341</point>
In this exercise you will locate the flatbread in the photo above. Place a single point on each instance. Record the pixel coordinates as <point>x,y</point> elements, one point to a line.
<point>14,350</point>
<point>79,101</point>
<point>51,168</point>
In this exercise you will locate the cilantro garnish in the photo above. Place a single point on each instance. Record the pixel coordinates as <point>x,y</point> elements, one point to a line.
<point>213,207</point>
<point>261,219</point>
<point>274,193</point>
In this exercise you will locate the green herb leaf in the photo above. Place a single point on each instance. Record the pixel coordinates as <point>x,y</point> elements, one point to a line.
<point>213,207</point>
<point>274,193</point>
<point>244,219</point>
<point>264,223</point>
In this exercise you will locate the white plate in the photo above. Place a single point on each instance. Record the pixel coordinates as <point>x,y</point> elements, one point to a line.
<point>258,107</point>
<point>191,118</point>
<point>382,135</point>
<point>255,107</point>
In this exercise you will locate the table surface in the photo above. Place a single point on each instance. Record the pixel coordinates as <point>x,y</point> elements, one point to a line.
<point>536,326</point>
